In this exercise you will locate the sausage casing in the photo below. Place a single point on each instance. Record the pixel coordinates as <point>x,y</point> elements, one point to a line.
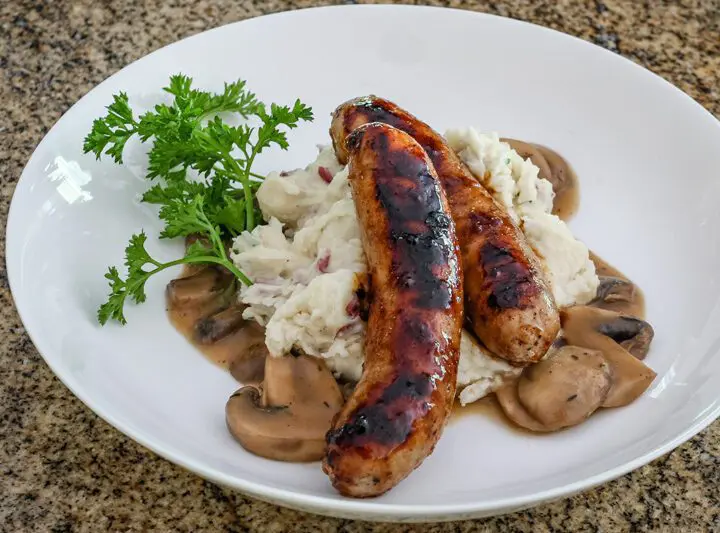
<point>507,299</point>
<point>396,413</point>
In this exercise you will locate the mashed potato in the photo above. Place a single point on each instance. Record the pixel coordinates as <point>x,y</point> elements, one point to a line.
<point>304,264</point>
<point>306,261</point>
<point>479,372</point>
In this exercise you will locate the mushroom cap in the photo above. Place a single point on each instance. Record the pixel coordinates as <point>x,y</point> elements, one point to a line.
<point>212,328</point>
<point>243,342</point>
<point>566,388</point>
<point>631,333</point>
<point>207,285</point>
<point>272,432</point>
<point>619,295</point>
<point>584,326</point>
<point>248,366</point>
<point>288,418</point>
<point>507,396</point>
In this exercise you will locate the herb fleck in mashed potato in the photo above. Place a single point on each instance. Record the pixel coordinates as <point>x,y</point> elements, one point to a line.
<point>306,261</point>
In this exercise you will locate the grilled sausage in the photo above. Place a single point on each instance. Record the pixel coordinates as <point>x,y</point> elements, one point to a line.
<point>397,412</point>
<point>507,299</point>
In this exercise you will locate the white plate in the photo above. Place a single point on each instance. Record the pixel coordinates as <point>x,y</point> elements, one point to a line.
<point>648,163</point>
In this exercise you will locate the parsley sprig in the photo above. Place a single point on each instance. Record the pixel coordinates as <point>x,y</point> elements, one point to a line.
<point>217,200</point>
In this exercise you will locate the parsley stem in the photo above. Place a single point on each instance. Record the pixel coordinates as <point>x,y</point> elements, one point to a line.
<point>224,262</point>
<point>243,174</point>
<point>249,207</point>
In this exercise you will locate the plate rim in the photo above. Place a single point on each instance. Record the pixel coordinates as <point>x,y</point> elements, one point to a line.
<point>343,507</point>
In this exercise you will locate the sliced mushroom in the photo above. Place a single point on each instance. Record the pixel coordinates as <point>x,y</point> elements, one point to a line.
<point>208,285</point>
<point>507,396</point>
<point>612,289</point>
<point>582,326</point>
<point>211,329</point>
<point>619,295</point>
<point>288,420</point>
<point>560,391</point>
<point>631,333</point>
<point>566,388</point>
<point>249,361</point>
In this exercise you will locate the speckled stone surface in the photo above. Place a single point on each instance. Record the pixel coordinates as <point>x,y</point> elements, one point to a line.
<point>62,469</point>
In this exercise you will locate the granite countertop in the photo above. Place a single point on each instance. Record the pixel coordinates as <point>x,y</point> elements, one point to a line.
<point>63,469</point>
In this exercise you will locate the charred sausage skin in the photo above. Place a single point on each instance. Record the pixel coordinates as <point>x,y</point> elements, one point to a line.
<point>507,299</point>
<point>396,413</point>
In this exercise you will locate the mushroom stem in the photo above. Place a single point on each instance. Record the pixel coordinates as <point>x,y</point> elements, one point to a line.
<point>288,418</point>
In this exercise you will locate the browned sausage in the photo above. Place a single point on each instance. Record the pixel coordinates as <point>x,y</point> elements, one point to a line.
<point>398,410</point>
<point>507,299</point>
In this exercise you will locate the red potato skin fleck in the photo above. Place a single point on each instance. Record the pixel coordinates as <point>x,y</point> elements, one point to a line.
<point>325,174</point>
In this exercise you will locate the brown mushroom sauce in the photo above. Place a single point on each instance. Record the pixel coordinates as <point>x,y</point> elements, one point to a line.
<point>596,363</point>
<point>202,305</point>
<point>287,404</point>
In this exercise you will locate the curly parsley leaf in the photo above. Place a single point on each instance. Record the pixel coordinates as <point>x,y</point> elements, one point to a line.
<point>201,169</point>
<point>189,218</point>
<point>111,133</point>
